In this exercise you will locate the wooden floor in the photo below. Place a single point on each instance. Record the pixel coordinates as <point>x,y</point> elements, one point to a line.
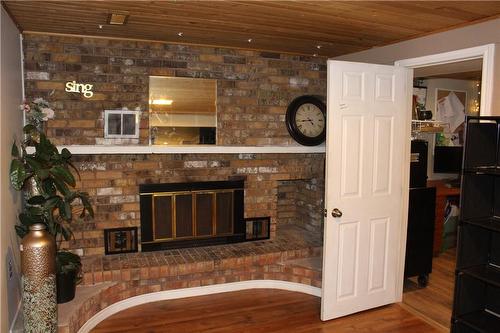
<point>258,310</point>
<point>434,301</point>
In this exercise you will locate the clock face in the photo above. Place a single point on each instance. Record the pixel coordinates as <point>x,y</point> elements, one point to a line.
<point>310,120</point>
<point>306,120</point>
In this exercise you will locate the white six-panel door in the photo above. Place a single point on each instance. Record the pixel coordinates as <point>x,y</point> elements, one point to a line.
<point>368,109</point>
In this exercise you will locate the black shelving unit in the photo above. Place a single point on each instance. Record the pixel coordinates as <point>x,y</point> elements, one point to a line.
<point>476,305</point>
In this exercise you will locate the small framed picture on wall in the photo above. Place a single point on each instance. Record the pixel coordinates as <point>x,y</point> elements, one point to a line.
<point>121,124</point>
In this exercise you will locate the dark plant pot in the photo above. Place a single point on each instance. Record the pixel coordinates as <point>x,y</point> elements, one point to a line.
<point>66,286</point>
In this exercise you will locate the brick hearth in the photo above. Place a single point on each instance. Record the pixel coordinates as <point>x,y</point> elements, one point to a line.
<point>193,267</point>
<point>118,277</point>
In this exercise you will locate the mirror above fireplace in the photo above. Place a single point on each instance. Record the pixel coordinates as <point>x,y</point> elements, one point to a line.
<point>182,111</point>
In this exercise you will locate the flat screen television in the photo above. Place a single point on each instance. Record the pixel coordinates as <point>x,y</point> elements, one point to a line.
<point>448,159</point>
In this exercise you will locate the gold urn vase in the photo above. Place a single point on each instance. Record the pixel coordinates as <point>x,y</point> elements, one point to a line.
<point>38,267</point>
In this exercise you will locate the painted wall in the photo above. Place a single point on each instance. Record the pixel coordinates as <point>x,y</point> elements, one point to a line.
<point>469,36</point>
<point>474,35</point>
<point>432,85</point>
<point>468,86</point>
<point>10,128</point>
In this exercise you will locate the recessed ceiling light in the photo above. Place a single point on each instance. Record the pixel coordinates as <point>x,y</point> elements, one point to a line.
<point>180,34</point>
<point>318,46</point>
<point>162,101</point>
<point>249,40</point>
<point>100,26</point>
<point>315,55</point>
<point>117,18</point>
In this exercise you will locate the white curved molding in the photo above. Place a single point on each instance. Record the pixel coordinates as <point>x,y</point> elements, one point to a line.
<point>196,291</point>
<point>206,149</point>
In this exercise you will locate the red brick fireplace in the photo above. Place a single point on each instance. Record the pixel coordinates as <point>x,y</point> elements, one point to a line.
<point>113,182</point>
<point>253,91</point>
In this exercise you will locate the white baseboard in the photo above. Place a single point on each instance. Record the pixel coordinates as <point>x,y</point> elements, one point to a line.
<point>196,291</point>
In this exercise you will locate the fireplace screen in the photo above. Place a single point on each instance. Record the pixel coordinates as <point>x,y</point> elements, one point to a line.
<point>191,214</point>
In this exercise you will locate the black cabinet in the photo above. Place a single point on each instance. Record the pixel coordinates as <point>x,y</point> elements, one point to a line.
<point>418,163</point>
<point>476,305</point>
<point>420,235</point>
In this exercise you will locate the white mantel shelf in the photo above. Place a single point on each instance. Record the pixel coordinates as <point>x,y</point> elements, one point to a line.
<point>208,149</point>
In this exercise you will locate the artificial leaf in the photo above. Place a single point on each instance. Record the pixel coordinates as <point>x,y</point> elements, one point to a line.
<point>65,154</point>
<point>21,230</point>
<point>36,200</point>
<point>64,210</point>
<point>35,210</point>
<point>18,174</point>
<point>28,129</point>
<point>64,174</point>
<point>74,168</point>
<point>61,186</point>
<point>66,233</point>
<point>14,150</point>
<point>52,202</point>
<point>71,196</point>
<point>48,186</point>
<point>86,204</point>
<point>33,163</point>
<point>52,225</point>
<point>27,219</point>
<point>47,146</point>
<point>42,173</point>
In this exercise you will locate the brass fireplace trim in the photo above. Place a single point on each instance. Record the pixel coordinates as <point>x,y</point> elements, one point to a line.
<point>173,209</point>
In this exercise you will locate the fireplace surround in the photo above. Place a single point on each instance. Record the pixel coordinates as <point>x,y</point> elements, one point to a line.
<point>178,215</point>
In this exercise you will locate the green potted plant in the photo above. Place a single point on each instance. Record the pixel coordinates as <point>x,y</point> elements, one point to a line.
<point>48,183</point>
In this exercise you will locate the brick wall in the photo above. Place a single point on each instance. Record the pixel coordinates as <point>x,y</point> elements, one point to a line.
<point>301,202</point>
<point>112,182</point>
<point>287,202</point>
<point>310,204</point>
<point>253,87</point>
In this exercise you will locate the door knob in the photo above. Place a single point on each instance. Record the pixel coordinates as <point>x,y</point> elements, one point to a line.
<point>336,212</point>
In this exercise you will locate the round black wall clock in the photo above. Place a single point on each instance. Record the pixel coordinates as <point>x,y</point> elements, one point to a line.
<point>306,120</point>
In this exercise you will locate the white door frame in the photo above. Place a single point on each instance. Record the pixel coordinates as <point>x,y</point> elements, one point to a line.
<point>487,53</point>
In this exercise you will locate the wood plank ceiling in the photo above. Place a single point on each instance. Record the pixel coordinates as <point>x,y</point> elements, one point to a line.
<point>327,28</point>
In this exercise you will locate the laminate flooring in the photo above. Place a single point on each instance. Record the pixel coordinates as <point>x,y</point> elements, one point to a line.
<point>257,310</point>
<point>434,301</point>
